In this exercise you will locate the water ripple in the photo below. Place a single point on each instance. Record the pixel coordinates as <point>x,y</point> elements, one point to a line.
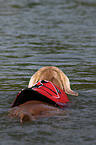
<point>34,34</point>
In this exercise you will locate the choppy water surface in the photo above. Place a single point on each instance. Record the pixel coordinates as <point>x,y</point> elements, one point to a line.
<point>36,33</point>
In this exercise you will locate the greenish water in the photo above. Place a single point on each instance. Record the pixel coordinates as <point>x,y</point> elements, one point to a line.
<point>36,33</point>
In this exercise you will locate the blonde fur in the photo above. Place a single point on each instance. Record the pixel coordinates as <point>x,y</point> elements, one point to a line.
<point>55,75</point>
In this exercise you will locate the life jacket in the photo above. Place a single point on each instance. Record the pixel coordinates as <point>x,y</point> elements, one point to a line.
<point>44,91</point>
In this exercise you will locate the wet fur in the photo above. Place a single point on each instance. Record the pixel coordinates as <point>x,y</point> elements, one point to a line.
<point>32,110</point>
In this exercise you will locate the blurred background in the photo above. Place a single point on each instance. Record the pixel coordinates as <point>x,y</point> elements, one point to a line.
<point>36,33</point>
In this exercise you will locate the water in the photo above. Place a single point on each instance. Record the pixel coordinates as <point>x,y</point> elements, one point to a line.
<point>37,33</point>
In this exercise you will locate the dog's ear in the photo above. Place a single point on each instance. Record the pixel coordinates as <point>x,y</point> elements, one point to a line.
<point>71,92</point>
<point>66,84</point>
<point>33,80</point>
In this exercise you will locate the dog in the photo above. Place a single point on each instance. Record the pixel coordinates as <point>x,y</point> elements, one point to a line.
<point>33,109</point>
